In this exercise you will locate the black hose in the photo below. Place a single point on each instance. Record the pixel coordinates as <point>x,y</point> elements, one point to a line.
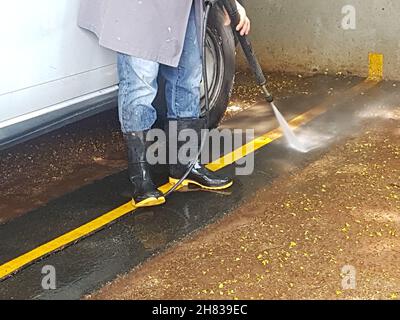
<point>208,7</point>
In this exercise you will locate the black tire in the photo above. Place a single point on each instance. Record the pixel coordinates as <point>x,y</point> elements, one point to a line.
<point>221,69</point>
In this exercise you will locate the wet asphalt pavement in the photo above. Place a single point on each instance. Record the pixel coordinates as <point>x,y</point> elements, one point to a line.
<point>294,237</point>
<point>35,172</point>
<point>59,195</point>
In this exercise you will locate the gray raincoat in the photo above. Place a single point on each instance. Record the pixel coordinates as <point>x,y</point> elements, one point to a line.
<point>148,29</point>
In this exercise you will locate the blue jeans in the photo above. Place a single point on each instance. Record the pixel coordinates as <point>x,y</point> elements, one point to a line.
<point>138,85</point>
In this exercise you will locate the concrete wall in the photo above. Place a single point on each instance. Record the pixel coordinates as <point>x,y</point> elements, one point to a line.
<point>307,35</point>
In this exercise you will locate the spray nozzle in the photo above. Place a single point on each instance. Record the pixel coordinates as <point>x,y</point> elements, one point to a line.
<point>268,96</point>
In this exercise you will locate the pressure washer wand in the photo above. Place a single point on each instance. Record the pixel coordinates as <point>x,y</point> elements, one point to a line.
<point>231,8</point>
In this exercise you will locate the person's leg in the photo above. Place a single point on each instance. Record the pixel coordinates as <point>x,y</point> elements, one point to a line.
<point>182,87</point>
<point>137,91</point>
<point>183,100</point>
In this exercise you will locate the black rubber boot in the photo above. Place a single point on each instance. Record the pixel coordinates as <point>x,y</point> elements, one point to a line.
<point>199,175</point>
<point>145,193</point>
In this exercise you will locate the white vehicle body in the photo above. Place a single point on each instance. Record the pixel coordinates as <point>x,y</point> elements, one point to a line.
<point>50,68</point>
<point>54,73</point>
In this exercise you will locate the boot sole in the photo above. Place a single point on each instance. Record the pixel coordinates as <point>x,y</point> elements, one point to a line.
<point>149,202</point>
<point>186,183</point>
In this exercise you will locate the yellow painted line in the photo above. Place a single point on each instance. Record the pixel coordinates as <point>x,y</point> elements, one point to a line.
<point>11,267</point>
<point>62,241</point>
<point>375,70</point>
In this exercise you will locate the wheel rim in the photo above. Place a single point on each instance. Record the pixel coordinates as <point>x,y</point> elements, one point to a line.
<point>215,70</point>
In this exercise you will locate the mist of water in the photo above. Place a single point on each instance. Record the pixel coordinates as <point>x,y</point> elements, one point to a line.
<point>291,138</point>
